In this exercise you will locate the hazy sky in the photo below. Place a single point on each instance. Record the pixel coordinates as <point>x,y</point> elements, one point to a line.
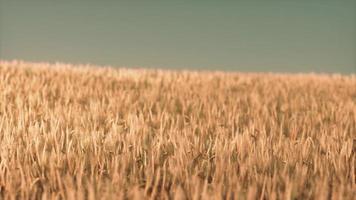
<point>293,36</point>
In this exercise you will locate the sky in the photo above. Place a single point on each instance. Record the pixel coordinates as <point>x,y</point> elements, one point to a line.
<point>262,36</point>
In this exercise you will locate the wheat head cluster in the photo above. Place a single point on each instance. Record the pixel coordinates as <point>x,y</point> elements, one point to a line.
<point>84,132</point>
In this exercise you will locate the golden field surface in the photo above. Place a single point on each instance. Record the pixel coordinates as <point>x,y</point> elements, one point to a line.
<point>84,132</point>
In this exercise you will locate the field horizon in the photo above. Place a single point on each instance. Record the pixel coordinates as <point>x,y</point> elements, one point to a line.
<point>175,69</point>
<point>88,132</point>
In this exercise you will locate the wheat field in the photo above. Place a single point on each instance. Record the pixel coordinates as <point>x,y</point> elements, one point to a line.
<point>86,132</point>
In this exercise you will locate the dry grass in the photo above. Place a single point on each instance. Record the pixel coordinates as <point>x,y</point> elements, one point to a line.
<point>101,133</point>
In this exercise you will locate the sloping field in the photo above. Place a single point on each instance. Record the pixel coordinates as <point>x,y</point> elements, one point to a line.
<point>74,132</point>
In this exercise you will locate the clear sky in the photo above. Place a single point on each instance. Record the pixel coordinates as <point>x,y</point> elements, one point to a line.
<point>270,35</point>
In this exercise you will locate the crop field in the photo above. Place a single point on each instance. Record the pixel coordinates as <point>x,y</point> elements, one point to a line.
<point>86,132</point>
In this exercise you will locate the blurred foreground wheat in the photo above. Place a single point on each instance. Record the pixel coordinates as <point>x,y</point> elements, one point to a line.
<point>102,133</point>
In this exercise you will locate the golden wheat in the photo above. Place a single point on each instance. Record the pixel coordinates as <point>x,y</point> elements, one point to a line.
<point>79,132</point>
